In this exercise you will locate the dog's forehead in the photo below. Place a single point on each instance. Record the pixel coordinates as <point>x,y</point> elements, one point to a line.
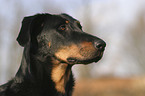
<point>59,18</point>
<point>56,20</point>
<point>68,17</point>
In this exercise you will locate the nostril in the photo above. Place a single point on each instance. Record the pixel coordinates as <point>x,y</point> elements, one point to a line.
<point>100,45</point>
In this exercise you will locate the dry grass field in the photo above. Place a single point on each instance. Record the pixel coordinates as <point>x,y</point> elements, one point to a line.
<point>110,87</point>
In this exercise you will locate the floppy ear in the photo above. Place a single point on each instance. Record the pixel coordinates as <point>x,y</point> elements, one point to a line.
<point>31,26</point>
<point>24,34</point>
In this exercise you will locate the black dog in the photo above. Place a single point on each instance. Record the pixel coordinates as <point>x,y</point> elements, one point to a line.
<point>52,45</point>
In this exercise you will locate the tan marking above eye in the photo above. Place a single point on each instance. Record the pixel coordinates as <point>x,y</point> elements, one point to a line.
<point>49,44</point>
<point>78,22</point>
<point>67,21</point>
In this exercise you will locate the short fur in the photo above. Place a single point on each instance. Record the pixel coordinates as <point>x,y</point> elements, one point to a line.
<point>52,45</point>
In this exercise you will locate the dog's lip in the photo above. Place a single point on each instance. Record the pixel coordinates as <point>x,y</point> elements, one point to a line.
<point>96,59</point>
<point>72,60</point>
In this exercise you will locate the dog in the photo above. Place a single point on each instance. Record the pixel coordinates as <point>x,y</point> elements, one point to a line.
<point>52,43</point>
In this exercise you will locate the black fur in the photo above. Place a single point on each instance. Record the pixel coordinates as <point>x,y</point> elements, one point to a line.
<point>42,36</point>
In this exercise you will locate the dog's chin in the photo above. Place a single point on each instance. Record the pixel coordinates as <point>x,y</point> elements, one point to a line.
<point>85,61</point>
<point>88,61</point>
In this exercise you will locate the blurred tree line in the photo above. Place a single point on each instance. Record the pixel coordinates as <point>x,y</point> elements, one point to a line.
<point>134,37</point>
<point>136,41</point>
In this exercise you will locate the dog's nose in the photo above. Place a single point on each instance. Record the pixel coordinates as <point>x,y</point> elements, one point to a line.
<point>100,45</point>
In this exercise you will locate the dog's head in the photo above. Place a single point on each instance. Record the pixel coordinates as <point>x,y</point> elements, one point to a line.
<point>61,37</point>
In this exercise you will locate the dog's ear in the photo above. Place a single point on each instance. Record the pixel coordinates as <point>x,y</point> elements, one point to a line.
<point>24,33</point>
<point>31,25</point>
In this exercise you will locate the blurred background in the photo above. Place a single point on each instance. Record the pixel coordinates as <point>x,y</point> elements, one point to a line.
<point>121,23</point>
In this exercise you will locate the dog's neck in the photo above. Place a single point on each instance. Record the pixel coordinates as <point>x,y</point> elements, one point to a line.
<point>48,73</point>
<point>60,75</point>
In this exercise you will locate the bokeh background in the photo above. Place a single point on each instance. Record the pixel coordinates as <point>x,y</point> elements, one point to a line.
<point>121,23</point>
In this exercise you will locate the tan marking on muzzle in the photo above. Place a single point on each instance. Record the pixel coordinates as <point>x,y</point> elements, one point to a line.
<point>87,44</point>
<point>81,51</point>
<point>68,51</point>
<point>87,49</point>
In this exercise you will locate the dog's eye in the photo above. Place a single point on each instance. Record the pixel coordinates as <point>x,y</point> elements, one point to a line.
<point>62,27</point>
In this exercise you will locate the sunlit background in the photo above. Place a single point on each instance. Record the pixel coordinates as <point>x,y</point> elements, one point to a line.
<point>121,23</point>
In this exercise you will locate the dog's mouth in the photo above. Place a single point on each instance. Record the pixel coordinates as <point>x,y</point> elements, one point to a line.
<point>96,58</point>
<point>84,54</point>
